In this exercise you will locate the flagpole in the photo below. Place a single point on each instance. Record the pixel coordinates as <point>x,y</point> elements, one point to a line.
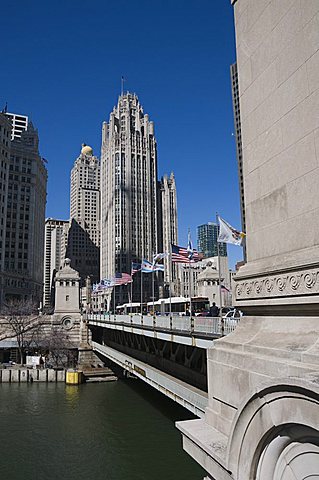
<point>131,290</point>
<point>190,286</point>
<point>190,279</point>
<point>122,85</point>
<point>141,292</point>
<point>170,281</point>
<point>153,293</point>
<point>219,281</point>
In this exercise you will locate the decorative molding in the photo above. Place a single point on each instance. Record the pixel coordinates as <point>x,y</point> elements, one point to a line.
<point>304,282</point>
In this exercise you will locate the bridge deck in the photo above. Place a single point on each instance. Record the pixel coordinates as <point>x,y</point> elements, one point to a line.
<point>195,331</point>
<point>190,397</point>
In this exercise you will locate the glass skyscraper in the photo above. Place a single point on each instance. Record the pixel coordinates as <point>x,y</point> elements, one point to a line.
<point>207,235</point>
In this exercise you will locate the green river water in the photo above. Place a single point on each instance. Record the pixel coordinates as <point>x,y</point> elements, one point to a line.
<point>121,430</point>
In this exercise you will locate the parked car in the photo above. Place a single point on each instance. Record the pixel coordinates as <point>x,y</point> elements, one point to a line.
<point>233,313</point>
<point>232,318</point>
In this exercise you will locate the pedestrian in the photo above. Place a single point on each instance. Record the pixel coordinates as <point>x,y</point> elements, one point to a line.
<point>214,310</point>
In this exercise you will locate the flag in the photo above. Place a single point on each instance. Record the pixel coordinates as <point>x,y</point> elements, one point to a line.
<point>121,279</point>
<point>157,257</point>
<point>104,283</point>
<point>148,267</point>
<point>225,289</point>
<point>228,234</point>
<point>158,267</point>
<point>98,287</point>
<point>136,267</point>
<point>182,255</point>
<point>190,249</point>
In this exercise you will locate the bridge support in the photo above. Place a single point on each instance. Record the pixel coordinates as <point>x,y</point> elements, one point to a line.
<point>261,422</point>
<point>190,397</point>
<point>182,361</point>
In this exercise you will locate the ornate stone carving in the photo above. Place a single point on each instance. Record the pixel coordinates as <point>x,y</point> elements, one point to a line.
<point>269,284</point>
<point>295,282</point>
<point>301,283</point>
<point>281,283</point>
<point>310,279</point>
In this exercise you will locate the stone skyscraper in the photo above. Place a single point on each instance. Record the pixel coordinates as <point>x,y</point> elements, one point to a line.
<point>129,191</point>
<point>5,135</point>
<point>56,234</point>
<point>24,242</point>
<point>84,233</point>
<point>169,231</point>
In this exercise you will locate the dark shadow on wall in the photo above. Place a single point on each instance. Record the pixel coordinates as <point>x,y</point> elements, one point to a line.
<point>83,253</point>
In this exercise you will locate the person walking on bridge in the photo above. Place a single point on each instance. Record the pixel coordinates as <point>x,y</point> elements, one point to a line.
<point>214,310</point>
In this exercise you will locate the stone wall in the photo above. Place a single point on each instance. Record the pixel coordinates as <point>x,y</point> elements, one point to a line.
<point>23,375</point>
<point>278,63</point>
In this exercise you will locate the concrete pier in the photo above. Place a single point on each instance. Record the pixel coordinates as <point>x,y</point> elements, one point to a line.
<point>24,375</point>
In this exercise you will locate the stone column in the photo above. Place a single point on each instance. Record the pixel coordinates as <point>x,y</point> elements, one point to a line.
<point>262,418</point>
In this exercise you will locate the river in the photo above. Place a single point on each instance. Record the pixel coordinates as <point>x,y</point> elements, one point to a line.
<point>121,430</point>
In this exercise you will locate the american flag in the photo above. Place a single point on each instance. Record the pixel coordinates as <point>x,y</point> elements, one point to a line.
<point>224,288</point>
<point>136,267</point>
<point>182,255</point>
<point>121,279</point>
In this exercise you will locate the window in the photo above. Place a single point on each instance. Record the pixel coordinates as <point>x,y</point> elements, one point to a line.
<point>67,297</point>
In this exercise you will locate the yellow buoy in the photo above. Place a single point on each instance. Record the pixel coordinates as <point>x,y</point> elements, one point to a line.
<point>73,377</point>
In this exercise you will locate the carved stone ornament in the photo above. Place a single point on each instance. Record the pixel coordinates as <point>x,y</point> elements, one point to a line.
<point>296,283</point>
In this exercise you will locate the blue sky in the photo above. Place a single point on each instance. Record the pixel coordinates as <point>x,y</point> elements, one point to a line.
<point>62,63</point>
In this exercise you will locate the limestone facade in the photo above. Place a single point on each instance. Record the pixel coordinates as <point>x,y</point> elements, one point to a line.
<point>84,231</point>
<point>67,288</point>
<point>208,286</point>
<point>262,418</point>
<point>129,193</point>
<point>26,200</point>
<point>5,142</point>
<point>55,243</point>
<point>277,56</point>
<point>202,286</point>
<point>169,230</point>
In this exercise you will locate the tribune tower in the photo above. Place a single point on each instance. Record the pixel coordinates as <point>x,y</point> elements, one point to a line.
<point>129,192</point>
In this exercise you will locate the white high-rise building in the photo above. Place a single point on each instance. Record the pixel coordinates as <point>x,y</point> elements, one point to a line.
<point>129,192</point>
<point>84,233</point>
<point>26,200</point>
<point>56,234</point>
<point>19,124</point>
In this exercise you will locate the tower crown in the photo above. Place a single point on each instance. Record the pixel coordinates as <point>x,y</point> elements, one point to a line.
<point>86,149</point>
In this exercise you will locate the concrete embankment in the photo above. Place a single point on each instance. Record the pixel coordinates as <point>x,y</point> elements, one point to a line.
<point>23,375</point>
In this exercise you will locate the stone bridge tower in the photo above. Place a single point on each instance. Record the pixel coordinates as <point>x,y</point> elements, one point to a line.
<point>262,417</point>
<point>67,311</point>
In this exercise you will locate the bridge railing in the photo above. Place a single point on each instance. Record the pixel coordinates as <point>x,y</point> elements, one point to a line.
<point>207,325</point>
<point>211,326</point>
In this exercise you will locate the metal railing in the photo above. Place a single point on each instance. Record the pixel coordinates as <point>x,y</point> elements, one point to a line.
<point>195,326</point>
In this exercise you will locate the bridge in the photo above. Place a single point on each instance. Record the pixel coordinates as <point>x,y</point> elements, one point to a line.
<point>167,352</point>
